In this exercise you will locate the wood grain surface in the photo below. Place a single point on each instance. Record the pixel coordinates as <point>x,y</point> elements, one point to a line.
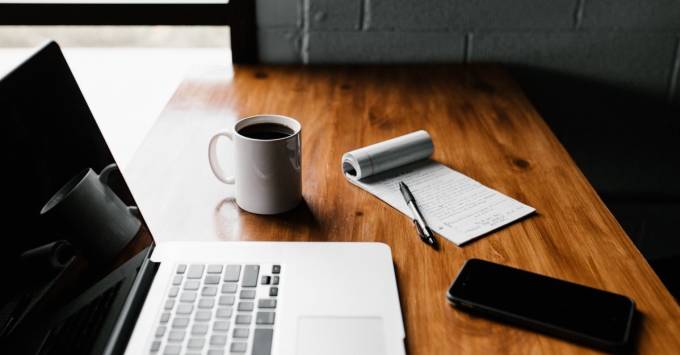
<point>482,125</point>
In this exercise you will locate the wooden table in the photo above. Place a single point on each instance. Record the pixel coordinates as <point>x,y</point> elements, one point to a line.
<point>482,125</point>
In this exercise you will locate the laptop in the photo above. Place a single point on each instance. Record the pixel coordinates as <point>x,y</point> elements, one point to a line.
<point>257,298</point>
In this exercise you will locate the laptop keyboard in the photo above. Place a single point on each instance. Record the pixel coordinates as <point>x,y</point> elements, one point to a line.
<point>219,309</point>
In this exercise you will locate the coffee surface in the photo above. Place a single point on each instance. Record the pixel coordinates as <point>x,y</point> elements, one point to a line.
<point>265,131</point>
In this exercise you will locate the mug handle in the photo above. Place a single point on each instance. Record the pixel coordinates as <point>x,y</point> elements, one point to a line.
<point>106,173</point>
<point>212,157</point>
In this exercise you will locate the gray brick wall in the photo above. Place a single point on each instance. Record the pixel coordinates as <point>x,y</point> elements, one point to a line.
<point>637,61</point>
<point>643,15</point>
<point>456,15</point>
<point>632,44</point>
<point>325,15</point>
<point>384,47</point>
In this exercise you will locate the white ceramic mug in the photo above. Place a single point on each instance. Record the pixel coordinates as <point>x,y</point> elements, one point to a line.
<point>267,171</point>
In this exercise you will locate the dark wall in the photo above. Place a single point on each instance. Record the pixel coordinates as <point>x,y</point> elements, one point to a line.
<point>629,44</point>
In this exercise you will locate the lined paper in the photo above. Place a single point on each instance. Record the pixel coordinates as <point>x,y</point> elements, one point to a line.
<point>455,206</point>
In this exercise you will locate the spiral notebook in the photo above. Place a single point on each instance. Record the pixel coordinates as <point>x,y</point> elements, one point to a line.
<point>455,206</point>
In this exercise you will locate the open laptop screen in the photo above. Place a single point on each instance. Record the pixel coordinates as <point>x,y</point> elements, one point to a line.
<point>59,181</point>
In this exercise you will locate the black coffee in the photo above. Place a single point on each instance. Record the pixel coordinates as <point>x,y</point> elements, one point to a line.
<point>265,131</point>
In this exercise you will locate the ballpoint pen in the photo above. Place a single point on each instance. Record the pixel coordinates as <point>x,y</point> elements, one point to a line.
<point>424,231</point>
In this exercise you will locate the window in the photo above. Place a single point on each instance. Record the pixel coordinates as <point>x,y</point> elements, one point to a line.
<point>239,15</point>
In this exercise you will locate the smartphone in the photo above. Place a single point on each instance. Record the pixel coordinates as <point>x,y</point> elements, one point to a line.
<point>567,310</point>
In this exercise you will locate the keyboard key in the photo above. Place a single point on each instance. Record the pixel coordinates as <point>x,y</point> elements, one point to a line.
<point>195,271</point>
<point>223,312</point>
<point>172,350</point>
<point>181,268</point>
<point>180,323</point>
<point>192,285</point>
<point>275,280</point>
<point>250,276</point>
<point>215,352</point>
<point>276,269</point>
<point>227,300</point>
<point>266,303</point>
<point>265,280</point>
<point>274,291</point>
<point>155,346</point>
<point>160,331</point>
<point>187,297</point>
<point>203,316</point>
<point>238,347</point>
<point>245,306</point>
<point>206,303</point>
<point>177,280</point>
<point>173,291</point>
<point>229,288</point>
<point>241,332</point>
<point>212,279</point>
<point>176,336</point>
<point>214,269</point>
<point>196,343</point>
<point>199,329</point>
<point>169,304</point>
<point>185,308</point>
<point>165,317</point>
<point>262,341</point>
<point>232,273</point>
<point>209,291</point>
<point>248,294</point>
<point>221,326</point>
<point>265,318</point>
<point>244,319</point>
<point>218,340</point>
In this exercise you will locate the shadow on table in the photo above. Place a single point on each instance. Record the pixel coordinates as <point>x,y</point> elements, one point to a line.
<point>626,142</point>
<point>298,224</point>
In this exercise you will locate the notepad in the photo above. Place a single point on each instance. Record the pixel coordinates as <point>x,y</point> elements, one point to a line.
<point>455,206</point>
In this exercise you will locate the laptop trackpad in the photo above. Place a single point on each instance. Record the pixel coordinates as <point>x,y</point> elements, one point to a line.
<point>340,336</point>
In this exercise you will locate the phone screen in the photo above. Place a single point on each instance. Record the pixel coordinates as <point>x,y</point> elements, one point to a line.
<point>540,300</point>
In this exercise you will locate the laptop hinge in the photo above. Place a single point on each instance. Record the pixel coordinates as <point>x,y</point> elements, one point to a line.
<point>129,313</point>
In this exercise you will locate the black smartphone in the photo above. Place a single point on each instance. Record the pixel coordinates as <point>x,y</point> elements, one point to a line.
<point>567,310</point>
